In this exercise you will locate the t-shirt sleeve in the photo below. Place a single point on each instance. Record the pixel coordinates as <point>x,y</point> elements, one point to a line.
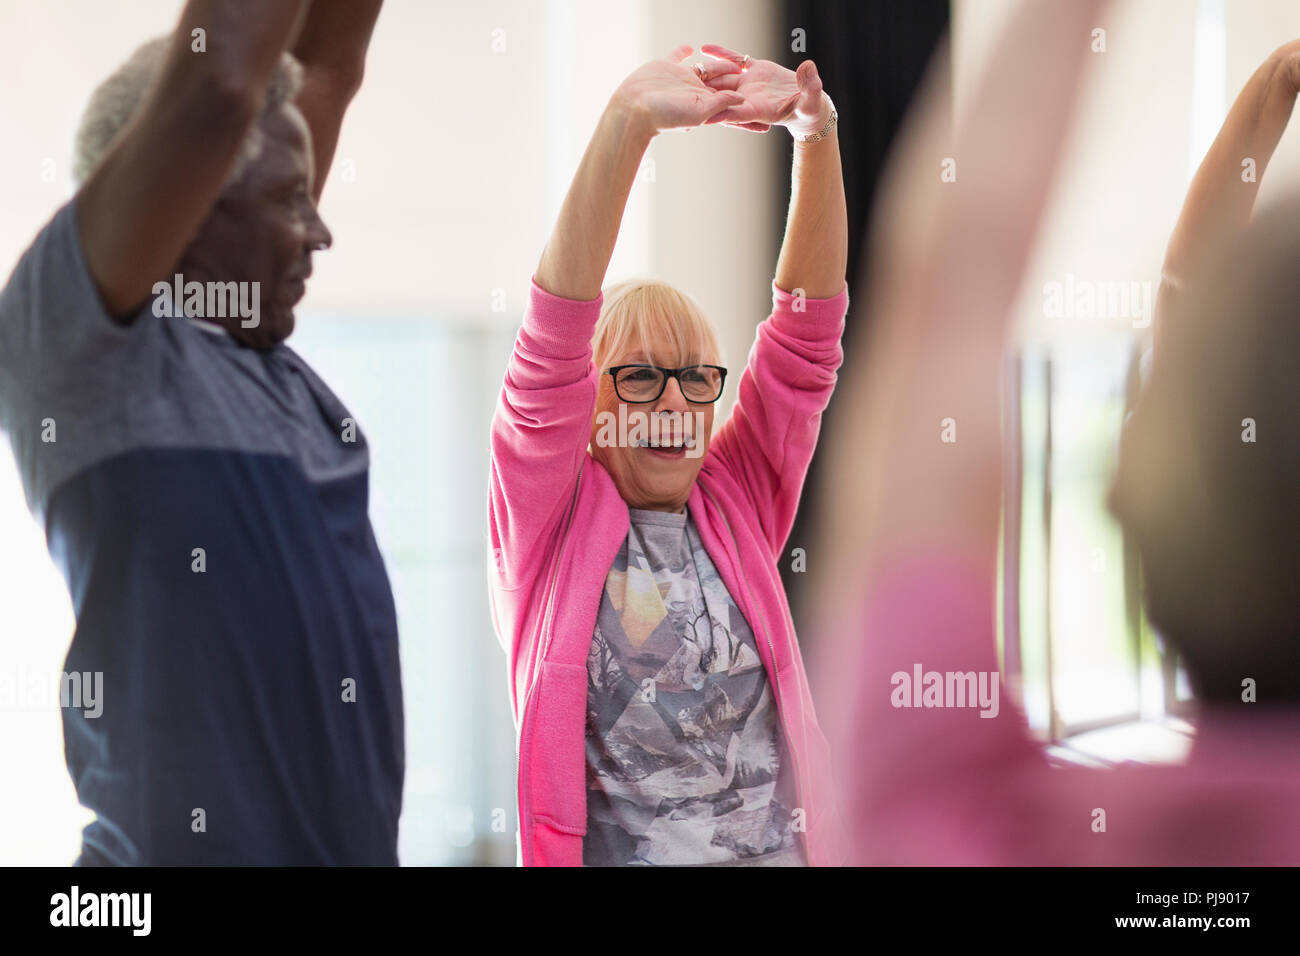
<point>52,321</point>
<point>60,350</point>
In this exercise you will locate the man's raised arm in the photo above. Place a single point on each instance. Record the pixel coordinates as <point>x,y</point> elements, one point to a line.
<point>143,203</point>
<point>332,49</point>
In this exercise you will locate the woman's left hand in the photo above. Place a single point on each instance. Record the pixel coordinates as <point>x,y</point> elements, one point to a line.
<point>774,95</point>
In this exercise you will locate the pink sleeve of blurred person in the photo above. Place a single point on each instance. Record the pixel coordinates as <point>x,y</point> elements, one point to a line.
<point>931,749</point>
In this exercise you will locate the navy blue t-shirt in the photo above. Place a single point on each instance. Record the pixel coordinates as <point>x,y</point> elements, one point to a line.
<point>207,504</point>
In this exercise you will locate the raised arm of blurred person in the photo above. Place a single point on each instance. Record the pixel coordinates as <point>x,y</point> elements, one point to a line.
<point>332,50</point>
<point>1219,202</point>
<point>909,531</point>
<point>146,199</point>
<point>947,259</point>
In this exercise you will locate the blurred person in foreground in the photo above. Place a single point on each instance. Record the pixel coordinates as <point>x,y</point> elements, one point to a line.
<point>927,780</point>
<point>663,712</point>
<point>201,489</point>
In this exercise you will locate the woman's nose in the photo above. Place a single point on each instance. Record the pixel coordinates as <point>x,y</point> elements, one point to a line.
<point>672,397</point>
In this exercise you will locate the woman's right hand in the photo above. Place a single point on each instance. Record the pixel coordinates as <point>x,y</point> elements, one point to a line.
<point>666,94</point>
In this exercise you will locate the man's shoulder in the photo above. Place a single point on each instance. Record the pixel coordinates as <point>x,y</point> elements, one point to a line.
<point>51,315</point>
<point>56,240</point>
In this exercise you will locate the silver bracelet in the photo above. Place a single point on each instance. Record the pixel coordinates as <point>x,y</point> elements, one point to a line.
<point>825,131</point>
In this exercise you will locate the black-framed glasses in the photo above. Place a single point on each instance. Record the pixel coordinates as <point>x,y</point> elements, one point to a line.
<point>638,384</point>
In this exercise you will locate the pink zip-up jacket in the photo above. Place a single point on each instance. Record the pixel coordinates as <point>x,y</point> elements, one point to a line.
<point>557,521</point>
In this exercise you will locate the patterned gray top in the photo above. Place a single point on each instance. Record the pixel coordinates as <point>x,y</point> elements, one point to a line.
<point>684,742</point>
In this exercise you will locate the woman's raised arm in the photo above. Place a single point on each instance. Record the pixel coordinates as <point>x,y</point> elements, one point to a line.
<point>543,419</point>
<point>815,251</point>
<point>662,94</point>
<point>770,437</point>
<point>814,254</point>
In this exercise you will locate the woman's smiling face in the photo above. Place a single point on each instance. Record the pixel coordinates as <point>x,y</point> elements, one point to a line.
<point>645,322</point>
<point>652,450</point>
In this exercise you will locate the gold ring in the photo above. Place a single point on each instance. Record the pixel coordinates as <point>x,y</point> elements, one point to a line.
<point>744,60</point>
<point>701,71</point>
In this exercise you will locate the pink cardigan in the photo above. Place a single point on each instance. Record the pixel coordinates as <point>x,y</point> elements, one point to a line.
<point>557,521</point>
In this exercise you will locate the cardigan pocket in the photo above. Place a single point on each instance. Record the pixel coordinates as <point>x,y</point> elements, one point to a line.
<point>557,767</point>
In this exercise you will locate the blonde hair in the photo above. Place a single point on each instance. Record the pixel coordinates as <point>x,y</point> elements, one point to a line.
<point>646,316</point>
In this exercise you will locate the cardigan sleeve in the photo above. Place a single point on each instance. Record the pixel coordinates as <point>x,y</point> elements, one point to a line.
<point>540,431</point>
<point>767,444</point>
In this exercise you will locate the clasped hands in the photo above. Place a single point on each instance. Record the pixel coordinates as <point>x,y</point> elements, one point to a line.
<point>729,88</point>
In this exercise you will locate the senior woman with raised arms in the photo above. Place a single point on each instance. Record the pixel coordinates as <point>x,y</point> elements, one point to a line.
<point>663,712</point>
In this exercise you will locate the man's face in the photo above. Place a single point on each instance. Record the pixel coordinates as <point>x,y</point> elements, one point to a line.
<point>263,228</point>
<point>647,477</point>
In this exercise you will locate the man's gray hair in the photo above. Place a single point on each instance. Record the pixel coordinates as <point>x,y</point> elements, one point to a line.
<point>118,98</point>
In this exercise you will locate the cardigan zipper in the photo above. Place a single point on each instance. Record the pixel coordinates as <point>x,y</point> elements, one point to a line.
<point>776,675</point>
